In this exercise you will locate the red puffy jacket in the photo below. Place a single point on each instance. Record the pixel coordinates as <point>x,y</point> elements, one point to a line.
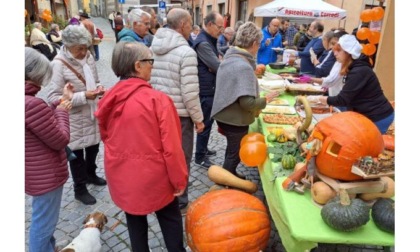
<point>47,133</point>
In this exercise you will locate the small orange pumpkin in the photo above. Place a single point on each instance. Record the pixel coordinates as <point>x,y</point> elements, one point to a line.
<point>227,220</point>
<point>347,137</point>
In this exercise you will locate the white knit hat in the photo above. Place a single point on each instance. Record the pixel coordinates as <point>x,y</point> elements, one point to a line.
<point>350,44</point>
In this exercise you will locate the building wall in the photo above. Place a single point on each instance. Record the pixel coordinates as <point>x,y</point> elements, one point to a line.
<point>353,8</point>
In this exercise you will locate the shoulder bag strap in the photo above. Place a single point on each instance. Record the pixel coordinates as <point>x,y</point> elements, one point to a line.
<point>73,70</point>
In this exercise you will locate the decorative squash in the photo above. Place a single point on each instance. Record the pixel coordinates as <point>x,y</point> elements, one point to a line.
<point>227,220</point>
<point>346,137</point>
<point>288,161</point>
<point>322,193</point>
<point>221,176</point>
<point>389,142</point>
<point>344,214</point>
<point>252,137</point>
<point>388,193</point>
<point>383,214</point>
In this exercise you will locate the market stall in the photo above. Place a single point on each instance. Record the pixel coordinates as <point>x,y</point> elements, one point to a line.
<point>300,9</point>
<point>296,216</point>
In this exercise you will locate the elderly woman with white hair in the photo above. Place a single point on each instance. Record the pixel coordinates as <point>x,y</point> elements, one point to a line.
<point>139,22</point>
<point>55,35</point>
<point>237,100</point>
<point>47,133</point>
<point>362,91</point>
<point>39,41</point>
<point>76,65</point>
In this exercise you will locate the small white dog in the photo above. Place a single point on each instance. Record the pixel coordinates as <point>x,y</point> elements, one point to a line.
<point>89,238</point>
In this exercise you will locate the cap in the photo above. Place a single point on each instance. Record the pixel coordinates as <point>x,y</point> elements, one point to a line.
<point>350,45</point>
<point>84,14</point>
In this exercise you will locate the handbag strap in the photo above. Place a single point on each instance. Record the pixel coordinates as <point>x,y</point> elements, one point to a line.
<point>73,70</point>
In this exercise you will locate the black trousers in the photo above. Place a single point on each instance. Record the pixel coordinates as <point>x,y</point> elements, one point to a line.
<point>234,135</point>
<point>170,221</point>
<point>187,127</point>
<point>83,166</point>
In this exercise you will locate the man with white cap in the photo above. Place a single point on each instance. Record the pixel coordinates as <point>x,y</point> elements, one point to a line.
<point>362,91</point>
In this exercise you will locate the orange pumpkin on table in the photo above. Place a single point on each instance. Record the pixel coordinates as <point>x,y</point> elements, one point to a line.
<point>347,136</point>
<point>227,220</point>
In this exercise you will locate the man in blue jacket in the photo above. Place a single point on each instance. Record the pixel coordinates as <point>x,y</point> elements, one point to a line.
<point>271,39</point>
<point>306,65</point>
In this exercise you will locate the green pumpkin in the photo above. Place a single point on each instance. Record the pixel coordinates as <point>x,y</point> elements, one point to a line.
<point>383,214</point>
<point>288,162</point>
<point>343,214</point>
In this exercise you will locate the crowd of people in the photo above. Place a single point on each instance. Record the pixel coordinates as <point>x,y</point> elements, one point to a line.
<point>175,81</point>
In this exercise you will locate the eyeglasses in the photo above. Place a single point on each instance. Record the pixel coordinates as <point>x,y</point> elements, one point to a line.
<point>151,61</point>
<point>220,27</point>
<point>145,23</point>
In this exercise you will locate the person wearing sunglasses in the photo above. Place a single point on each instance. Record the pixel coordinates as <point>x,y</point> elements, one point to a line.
<point>143,157</point>
<point>140,23</point>
<point>205,46</point>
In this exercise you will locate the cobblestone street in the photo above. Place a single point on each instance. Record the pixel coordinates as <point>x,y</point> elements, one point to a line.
<point>73,212</point>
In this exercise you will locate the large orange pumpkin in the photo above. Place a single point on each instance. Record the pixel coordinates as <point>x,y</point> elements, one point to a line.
<point>347,136</point>
<point>227,220</point>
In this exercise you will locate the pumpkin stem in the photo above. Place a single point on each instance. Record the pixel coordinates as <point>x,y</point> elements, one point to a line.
<point>344,197</point>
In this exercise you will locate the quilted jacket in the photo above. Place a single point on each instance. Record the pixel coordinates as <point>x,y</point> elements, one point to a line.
<point>84,131</point>
<point>175,72</point>
<point>46,135</point>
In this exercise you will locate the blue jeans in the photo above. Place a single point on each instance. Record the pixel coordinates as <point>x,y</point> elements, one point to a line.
<point>384,124</point>
<point>45,211</point>
<point>203,137</point>
<point>96,48</point>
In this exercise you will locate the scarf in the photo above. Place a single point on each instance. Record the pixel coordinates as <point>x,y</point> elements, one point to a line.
<point>90,80</point>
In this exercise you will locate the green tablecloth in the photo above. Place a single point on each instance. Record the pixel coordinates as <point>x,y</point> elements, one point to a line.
<point>298,219</point>
<point>277,71</point>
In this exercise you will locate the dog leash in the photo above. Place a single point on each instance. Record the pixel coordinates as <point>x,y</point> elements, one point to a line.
<point>117,216</point>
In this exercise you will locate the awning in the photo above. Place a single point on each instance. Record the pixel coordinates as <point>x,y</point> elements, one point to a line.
<point>311,9</point>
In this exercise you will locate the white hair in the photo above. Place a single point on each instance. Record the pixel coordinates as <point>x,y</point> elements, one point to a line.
<point>135,16</point>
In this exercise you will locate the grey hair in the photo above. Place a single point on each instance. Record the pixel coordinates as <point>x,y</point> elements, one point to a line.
<point>135,16</point>
<point>37,25</point>
<point>238,24</point>
<point>125,55</point>
<point>53,26</point>
<point>148,9</point>
<point>176,17</point>
<point>37,67</point>
<point>76,35</point>
<point>211,18</point>
<point>229,30</point>
<point>247,34</point>
<point>196,27</point>
<point>328,36</point>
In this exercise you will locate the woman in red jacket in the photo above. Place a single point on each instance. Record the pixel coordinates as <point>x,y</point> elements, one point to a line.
<point>144,161</point>
<point>47,133</point>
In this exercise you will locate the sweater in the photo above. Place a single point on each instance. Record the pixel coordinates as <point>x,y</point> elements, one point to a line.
<point>175,72</point>
<point>46,135</point>
<point>362,92</point>
<point>236,101</point>
<point>306,65</point>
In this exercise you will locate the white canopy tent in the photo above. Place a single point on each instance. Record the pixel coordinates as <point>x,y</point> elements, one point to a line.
<point>311,9</point>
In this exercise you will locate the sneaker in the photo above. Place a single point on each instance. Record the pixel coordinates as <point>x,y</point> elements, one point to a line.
<point>205,163</point>
<point>96,181</point>
<point>210,153</point>
<point>86,198</point>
